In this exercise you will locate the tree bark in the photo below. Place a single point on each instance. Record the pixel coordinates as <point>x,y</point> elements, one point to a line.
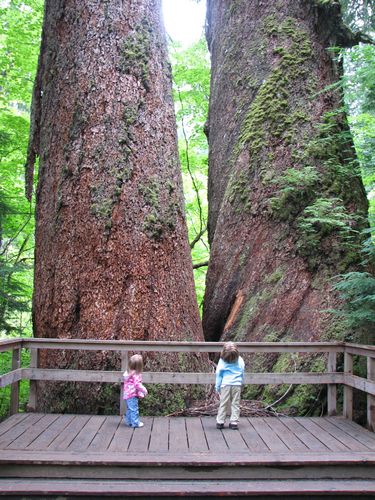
<point>112,254</point>
<point>285,194</point>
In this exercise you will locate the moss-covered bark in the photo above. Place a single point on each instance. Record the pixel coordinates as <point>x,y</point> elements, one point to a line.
<point>286,198</point>
<point>112,256</point>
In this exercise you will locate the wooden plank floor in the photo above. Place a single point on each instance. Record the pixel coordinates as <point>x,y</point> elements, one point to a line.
<point>52,433</point>
<point>99,456</point>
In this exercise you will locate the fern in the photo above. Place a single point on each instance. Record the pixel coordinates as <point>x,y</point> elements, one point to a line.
<point>325,216</point>
<point>295,188</point>
<point>357,290</point>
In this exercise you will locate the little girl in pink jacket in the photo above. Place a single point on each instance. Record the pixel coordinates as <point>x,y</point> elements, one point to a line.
<point>133,389</point>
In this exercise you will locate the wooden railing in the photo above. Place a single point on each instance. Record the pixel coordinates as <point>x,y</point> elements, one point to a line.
<point>331,377</point>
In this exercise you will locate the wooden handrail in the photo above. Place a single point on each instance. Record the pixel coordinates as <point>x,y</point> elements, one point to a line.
<point>8,345</point>
<point>67,375</point>
<point>330,377</point>
<point>170,346</point>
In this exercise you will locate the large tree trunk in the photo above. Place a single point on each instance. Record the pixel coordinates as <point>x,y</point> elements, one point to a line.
<point>285,193</point>
<point>112,256</point>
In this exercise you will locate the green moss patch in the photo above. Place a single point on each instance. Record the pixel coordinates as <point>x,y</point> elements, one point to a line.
<point>272,114</point>
<point>162,216</point>
<point>136,53</point>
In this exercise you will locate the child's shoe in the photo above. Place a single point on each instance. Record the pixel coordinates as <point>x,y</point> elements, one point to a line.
<point>219,426</point>
<point>141,424</point>
<point>233,425</point>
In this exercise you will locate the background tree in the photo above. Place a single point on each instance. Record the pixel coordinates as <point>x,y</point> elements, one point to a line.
<point>286,200</point>
<point>112,252</point>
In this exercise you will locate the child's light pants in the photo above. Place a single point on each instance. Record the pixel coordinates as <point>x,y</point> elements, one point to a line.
<point>230,396</point>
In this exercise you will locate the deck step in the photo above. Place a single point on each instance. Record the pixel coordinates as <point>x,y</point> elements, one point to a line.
<point>205,488</point>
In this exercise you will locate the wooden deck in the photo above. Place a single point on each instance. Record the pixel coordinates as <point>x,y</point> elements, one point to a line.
<point>70,456</point>
<point>55,454</point>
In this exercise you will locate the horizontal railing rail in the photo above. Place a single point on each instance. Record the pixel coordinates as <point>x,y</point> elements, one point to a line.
<point>331,377</point>
<point>170,346</point>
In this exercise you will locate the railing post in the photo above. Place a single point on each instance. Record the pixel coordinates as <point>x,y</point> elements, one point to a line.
<point>331,388</point>
<point>124,367</point>
<point>370,398</point>
<point>15,387</point>
<point>348,391</point>
<point>31,406</point>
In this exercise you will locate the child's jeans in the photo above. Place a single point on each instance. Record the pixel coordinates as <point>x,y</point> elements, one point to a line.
<point>132,412</point>
<point>230,396</point>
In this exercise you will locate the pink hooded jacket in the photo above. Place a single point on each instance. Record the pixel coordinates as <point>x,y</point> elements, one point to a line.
<point>133,386</point>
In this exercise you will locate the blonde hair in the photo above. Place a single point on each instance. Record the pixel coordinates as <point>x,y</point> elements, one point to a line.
<point>230,352</point>
<point>136,363</point>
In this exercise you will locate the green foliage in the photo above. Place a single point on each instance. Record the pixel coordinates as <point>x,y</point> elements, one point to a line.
<point>5,367</point>
<point>358,293</point>
<point>357,289</point>
<point>324,218</point>
<point>191,84</point>
<point>296,187</point>
<point>20,25</point>
<point>359,14</point>
<point>172,400</point>
<point>332,147</point>
<point>359,90</point>
<point>319,198</point>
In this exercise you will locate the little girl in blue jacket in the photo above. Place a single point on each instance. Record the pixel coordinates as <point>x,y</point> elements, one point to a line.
<point>229,379</point>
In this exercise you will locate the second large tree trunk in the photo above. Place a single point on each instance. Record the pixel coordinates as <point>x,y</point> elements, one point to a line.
<point>285,193</point>
<point>112,256</point>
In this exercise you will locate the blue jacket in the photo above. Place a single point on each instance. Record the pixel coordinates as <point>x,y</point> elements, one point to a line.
<point>229,373</point>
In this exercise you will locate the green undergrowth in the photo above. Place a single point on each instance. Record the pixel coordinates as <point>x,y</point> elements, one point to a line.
<point>5,367</point>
